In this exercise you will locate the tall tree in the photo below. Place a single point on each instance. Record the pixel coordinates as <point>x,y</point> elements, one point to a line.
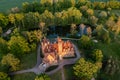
<point>3,20</point>
<point>34,36</point>
<point>11,18</point>
<point>1,31</point>
<point>97,55</point>
<point>19,18</point>
<point>11,61</point>
<point>47,17</point>
<point>86,70</point>
<point>3,47</point>
<point>31,20</point>
<point>85,42</point>
<point>73,29</point>
<point>18,45</point>
<point>74,15</point>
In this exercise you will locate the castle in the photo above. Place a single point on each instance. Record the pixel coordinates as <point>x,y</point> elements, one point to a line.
<point>53,52</point>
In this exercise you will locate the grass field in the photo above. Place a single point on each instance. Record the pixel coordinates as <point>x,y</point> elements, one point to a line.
<point>56,76</point>
<point>5,5</point>
<point>28,61</point>
<point>69,72</point>
<point>112,49</point>
<point>25,76</point>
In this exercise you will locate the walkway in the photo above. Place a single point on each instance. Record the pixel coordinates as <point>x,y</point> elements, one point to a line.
<point>36,69</point>
<point>62,72</point>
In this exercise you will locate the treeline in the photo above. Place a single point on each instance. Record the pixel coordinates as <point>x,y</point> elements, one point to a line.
<point>60,5</point>
<point>32,20</point>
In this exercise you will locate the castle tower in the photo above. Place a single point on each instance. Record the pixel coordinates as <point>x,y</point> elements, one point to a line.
<point>60,42</point>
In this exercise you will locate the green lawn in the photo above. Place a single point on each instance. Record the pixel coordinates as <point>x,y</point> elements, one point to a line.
<point>69,72</point>
<point>111,49</point>
<point>5,5</point>
<point>28,60</point>
<point>56,76</point>
<point>25,76</point>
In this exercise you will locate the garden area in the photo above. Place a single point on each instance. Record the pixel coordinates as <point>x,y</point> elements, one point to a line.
<point>92,25</point>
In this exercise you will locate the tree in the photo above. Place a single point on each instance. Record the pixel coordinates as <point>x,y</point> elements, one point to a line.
<point>18,45</point>
<point>3,47</point>
<point>3,20</point>
<point>116,28</point>
<point>64,4</point>
<point>31,20</point>
<point>97,55</point>
<point>11,61</point>
<point>11,18</point>
<point>43,28</point>
<point>86,70</point>
<point>34,36</point>
<point>42,77</point>
<point>58,18</point>
<point>15,32</point>
<point>46,1</point>
<point>73,2</point>
<point>102,17</point>
<point>81,3</point>
<point>110,23</point>
<point>111,65</point>
<point>74,15</point>
<point>73,29</point>
<point>85,42</point>
<point>93,20</point>
<point>4,76</point>
<point>90,12</point>
<point>19,18</point>
<point>103,34</point>
<point>1,31</point>
<point>47,17</point>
